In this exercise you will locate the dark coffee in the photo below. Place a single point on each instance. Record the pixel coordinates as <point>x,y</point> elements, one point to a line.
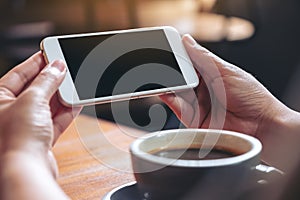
<point>194,154</point>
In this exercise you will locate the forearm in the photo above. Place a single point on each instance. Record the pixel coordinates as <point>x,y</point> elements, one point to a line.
<point>280,136</point>
<point>27,177</point>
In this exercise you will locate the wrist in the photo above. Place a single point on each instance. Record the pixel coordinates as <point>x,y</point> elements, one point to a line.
<point>24,174</point>
<point>39,151</point>
<point>280,135</point>
<point>14,161</point>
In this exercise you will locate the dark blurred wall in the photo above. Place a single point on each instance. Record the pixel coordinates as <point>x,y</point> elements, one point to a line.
<point>272,55</point>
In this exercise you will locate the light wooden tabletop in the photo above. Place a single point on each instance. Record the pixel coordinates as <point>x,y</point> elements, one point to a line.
<point>93,158</point>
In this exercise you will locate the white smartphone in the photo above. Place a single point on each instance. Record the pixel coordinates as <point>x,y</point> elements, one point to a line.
<point>120,65</point>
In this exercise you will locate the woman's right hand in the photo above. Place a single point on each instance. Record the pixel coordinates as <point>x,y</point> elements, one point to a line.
<point>247,106</point>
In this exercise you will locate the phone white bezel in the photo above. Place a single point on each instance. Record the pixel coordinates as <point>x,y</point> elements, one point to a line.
<point>67,91</point>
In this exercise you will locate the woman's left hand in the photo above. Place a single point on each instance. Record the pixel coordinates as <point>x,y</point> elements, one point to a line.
<point>31,115</point>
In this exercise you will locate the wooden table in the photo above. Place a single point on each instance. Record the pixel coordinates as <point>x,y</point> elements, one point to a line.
<point>93,158</point>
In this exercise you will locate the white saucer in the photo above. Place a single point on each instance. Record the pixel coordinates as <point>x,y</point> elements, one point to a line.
<point>128,191</point>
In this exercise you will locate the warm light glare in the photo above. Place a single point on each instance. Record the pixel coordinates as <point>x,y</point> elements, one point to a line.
<point>184,15</point>
<point>209,27</point>
<point>239,29</point>
<point>30,30</point>
<point>206,5</point>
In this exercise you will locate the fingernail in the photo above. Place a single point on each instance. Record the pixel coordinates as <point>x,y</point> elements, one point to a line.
<point>189,39</point>
<point>55,68</point>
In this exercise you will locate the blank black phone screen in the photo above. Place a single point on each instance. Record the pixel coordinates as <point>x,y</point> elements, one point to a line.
<point>105,65</point>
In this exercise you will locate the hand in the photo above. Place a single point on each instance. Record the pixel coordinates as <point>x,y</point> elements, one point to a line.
<point>31,116</point>
<point>226,87</point>
<point>247,105</point>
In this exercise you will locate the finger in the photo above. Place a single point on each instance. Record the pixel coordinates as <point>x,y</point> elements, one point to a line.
<point>63,119</point>
<point>212,68</point>
<point>55,104</point>
<point>48,80</point>
<point>53,164</point>
<point>190,108</point>
<point>189,95</point>
<point>17,78</point>
<point>183,110</point>
<point>203,103</point>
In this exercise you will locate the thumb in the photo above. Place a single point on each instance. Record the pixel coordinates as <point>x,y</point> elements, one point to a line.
<point>206,63</point>
<point>49,79</point>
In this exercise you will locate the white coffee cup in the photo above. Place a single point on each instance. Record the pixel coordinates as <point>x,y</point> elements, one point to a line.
<point>194,163</point>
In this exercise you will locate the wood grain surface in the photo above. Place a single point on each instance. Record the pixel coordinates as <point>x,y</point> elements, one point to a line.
<point>93,158</point>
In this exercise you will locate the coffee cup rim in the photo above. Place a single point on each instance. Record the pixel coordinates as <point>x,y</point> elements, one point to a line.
<point>255,150</point>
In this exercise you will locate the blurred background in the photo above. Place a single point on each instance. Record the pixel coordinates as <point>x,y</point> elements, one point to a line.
<point>260,36</point>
